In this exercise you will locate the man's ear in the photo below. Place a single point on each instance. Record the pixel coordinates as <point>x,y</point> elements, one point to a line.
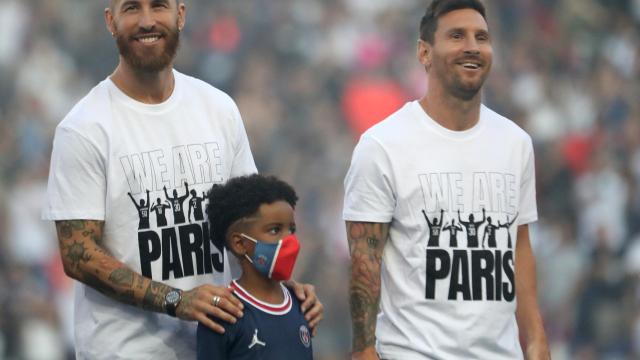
<point>424,53</point>
<point>108,19</point>
<point>182,15</point>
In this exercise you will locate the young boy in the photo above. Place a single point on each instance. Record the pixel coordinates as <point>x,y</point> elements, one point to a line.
<point>252,216</point>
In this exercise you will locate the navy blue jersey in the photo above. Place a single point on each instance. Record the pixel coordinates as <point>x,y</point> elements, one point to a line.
<point>265,332</point>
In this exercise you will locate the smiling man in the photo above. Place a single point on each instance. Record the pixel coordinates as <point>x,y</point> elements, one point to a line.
<point>144,131</point>
<point>444,155</point>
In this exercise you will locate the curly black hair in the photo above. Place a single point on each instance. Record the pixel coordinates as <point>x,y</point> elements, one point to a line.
<point>241,197</point>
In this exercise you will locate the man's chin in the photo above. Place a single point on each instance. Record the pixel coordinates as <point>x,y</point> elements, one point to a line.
<point>466,93</point>
<point>148,60</point>
<point>149,64</point>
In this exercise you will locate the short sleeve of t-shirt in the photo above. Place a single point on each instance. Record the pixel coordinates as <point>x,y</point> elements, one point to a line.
<point>528,209</point>
<point>77,179</point>
<point>232,344</point>
<point>212,345</point>
<point>243,163</point>
<point>369,189</point>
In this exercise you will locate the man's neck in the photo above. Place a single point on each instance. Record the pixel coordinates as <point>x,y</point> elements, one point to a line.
<point>145,87</point>
<point>451,112</point>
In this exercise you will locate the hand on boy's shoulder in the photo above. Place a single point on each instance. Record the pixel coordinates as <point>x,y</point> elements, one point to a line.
<point>197,304</point>
<point>311,306</point>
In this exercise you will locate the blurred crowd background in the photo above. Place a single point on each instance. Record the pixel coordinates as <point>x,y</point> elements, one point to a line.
<point>309,76</point>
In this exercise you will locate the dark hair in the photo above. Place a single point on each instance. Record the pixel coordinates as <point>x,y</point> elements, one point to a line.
<point>241,197</point>
<point>438,8</point>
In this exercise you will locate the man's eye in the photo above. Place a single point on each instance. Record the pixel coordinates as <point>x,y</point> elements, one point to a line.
<point>292,229</point>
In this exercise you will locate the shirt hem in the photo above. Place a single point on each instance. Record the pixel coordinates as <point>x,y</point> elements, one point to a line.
<point>367,217</point>
<point>53,215</point>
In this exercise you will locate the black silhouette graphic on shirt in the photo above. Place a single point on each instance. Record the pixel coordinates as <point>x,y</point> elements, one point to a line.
<point>507,225</point>
<point>472,228</point>
<point>453,229</point>
<point>434,229</point>
<point>176,203</point>
<point>172,247</point>
<point>471,273</point>
<point>195,203</point>
<point>143,211</point>
<point>489,234</point>
<point>159,209</point>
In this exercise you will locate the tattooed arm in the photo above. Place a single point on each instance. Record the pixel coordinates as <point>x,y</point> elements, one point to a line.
<point>85,260</point>
<point>366,242</point>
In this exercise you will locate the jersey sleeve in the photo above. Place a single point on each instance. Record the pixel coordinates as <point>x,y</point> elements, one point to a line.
<point>243,163</point>
<point>77,178</point>
<point>528,208</point>
<point>369,187</point>
<point>211,345</point>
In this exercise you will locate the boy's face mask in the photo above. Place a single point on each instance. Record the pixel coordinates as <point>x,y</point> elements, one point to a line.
<point>275,261</point>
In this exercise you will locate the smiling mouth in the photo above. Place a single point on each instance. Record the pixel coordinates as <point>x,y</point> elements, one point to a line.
<point>470,66</point>
<point>148,39</point>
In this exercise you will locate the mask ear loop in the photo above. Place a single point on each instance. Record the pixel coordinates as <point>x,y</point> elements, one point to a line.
<point>251,239</point>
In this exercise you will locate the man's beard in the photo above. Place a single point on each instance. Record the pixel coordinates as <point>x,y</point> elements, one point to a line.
<point>463,91</point>
<point>150,64</point>
<point>455,86</point>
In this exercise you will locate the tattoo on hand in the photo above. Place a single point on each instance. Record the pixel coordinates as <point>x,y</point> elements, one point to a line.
<point>185,303</point>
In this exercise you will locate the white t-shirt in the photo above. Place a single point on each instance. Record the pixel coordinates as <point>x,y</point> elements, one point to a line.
<point>447,280</point>
<point>110,145</point>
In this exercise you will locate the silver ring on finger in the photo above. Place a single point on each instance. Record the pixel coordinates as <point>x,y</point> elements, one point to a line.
<point>216,300</point>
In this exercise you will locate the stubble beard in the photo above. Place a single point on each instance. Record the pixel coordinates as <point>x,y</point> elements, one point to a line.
<point>455,86</point>
<point>465,91</point>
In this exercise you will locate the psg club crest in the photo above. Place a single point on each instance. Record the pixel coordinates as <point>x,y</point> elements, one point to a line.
<point>305,337</point>
<point>261,260</point>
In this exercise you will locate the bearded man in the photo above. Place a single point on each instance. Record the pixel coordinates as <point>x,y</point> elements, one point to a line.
<point>146,128</point>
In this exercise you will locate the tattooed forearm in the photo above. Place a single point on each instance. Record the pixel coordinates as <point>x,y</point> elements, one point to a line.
<point>86,261</point>
<point>122,277</point>
<point>366,242</point>
<point>154,296</point>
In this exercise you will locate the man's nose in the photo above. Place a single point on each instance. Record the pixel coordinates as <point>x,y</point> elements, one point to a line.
<point>471,46</point>
<point>147,21</point>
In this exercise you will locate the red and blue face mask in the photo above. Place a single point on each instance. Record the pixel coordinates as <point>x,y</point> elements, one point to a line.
<point>275,261</point>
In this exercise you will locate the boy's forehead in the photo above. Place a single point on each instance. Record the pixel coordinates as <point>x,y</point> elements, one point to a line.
<point>266,212</point>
